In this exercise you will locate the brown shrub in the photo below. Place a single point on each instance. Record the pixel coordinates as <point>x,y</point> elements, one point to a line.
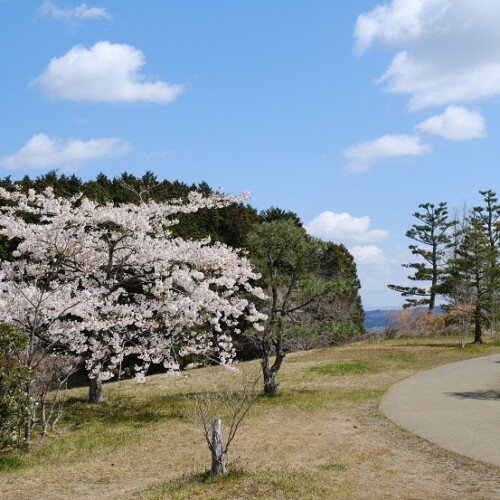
<point>415,323</point>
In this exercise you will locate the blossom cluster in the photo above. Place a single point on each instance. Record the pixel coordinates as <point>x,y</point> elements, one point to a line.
<point>108,281</point>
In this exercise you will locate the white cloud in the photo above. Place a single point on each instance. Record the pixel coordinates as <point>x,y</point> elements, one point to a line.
<point>397,22</point>
<point>456,123</point>
<point>371,256</point>
<point>42,151</point>
<point>343,227</point>
<point>449,51</point>
<point>375,271</point>
<point>74,15</point>
<point>105,72</point>
<point>363,155</point>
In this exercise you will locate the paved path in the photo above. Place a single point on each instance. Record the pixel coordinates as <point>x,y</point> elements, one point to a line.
<point>456,406</point>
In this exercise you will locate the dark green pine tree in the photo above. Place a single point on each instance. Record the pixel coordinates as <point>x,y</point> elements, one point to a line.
<point>287,260</point>
<point>470,271</point>
<point>474,271</point>
<point>337,263</point>
<point>431,234</point>
<point>99,189</point>
<point>229,225</point>
<point>489,215</point>
<point>275,213</point>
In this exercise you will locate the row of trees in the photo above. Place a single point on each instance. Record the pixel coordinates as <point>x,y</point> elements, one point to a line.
<point>126,276</point>
<point>229,224</point>
<point>459,256</point>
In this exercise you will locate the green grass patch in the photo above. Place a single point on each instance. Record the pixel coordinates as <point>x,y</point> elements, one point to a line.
<point>335,467</point>
<point>84,443</point>
<point>398,356</point>
<point>203,485</point>
<point>10,462</point>
<point>241,484</point>
<point>358,395</point>
<point>354,367</point>
<point>110,425</point>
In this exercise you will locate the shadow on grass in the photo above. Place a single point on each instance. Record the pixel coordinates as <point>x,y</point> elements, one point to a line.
<point>399,355</point>
<point>441,345</point>
<point>455,345</point>
<point>207,477</point>
<point>317,399</point>
<point>480,395</point>
<point>301,399</point>
<point>123,410</point>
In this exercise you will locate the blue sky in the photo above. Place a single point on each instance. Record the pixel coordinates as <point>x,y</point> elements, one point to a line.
<point>349,113</point>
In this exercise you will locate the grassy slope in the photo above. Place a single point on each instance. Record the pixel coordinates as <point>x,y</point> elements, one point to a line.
<point>321,437</point>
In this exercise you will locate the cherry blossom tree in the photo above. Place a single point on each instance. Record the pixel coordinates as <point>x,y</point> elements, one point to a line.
<point>104,282</point>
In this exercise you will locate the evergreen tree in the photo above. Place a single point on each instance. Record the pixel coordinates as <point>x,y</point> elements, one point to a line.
<point>275,213</point>
<point>310,288</point>
<point>468,271</point>
<point>337,263</point>
<point>432,237</point>
<point>490,218</point>
<point>473,272</point>
<point>287,259</point>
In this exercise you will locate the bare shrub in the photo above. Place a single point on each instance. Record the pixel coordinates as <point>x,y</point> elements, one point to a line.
<point>49,389</point>
<point>459,320</point>
<point>414,323</point>
<point>50,370</point>
<point>224,404</point>
<point>33,379</point>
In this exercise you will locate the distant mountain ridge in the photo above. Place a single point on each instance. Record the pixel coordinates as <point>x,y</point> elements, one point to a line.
<point>377,319</point>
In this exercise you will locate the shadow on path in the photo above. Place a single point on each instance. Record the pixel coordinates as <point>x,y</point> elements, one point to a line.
<point>482,395</point>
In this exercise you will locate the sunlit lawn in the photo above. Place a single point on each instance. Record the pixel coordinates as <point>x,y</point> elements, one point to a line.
<point>322,436</point>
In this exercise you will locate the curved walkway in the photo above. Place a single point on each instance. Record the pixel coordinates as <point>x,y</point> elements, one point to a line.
<point>456,406</point>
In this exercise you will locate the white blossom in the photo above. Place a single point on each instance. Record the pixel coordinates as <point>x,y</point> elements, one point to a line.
<point>105,281</point>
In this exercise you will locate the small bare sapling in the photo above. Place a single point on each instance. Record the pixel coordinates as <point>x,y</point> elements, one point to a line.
<point>227,403</point>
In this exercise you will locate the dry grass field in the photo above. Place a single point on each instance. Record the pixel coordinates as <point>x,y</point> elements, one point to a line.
<point>322,436</point>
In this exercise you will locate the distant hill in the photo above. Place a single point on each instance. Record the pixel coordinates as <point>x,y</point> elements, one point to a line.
<point>385,318</point>
<point>377,319</point>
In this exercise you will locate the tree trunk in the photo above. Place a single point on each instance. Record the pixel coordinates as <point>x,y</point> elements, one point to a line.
<point>96,392</point>
<point>270,385</point>
<point>30,419</point>
<point>269,372</point>
<point>219,467</point>
<point>27,433</point>
<point>478,339</point>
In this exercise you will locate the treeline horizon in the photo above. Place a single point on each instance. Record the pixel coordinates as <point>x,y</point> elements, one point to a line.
<point>230,225</point>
